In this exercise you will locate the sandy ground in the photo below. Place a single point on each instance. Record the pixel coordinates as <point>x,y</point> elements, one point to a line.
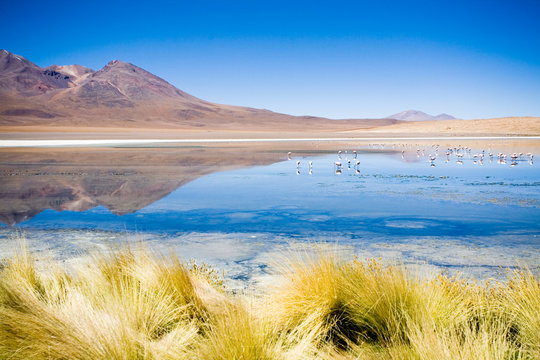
<point>507,126</point>
<point>515,126</point>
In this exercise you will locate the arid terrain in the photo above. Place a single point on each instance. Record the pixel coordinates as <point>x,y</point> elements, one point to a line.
<point>506,126</point>
<point>122,100</point>
<point>122,95</point>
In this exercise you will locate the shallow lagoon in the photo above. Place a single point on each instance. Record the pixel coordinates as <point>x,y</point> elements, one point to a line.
<point>471,216</point>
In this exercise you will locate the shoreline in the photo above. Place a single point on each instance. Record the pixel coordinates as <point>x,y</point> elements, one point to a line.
<point>117,142</point>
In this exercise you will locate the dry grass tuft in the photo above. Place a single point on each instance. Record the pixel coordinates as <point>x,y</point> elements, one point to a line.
<point>132,304</point>
<point>520,299</point>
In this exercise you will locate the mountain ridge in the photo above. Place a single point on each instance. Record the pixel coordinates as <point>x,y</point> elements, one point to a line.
<point>417,115</point>
<point>122,95</point>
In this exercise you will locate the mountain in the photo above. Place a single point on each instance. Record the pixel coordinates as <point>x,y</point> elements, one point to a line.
<point>443,116</point>
<point>123,95</point>
<point>121,84</point>
<point>415,115</point>
<point>20,76</point>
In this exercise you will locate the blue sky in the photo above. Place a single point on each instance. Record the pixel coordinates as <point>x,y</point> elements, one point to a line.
<point>339,59</point>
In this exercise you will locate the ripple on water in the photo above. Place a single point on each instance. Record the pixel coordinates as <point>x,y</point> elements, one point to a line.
<point>406,224</point>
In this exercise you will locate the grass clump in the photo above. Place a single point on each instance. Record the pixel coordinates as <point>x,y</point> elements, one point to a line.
<point>239,333</point>
<point>123,305</point>
<point>132,304</point>
<point>520,299</point>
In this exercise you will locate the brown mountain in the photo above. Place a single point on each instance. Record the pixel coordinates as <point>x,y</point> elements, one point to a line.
<point>120,85</point>
<point>124,95</point>
<point>19,76</point>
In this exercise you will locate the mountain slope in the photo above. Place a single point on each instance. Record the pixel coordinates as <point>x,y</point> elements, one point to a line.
<point>123,95</point>
<point>416,115</point>
<point>20,76</point>
<point>74,73</point>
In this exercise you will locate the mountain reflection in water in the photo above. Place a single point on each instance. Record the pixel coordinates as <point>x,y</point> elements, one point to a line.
<point>122,180</point>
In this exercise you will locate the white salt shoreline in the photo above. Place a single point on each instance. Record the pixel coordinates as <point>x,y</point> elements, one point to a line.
<point>116,142</point>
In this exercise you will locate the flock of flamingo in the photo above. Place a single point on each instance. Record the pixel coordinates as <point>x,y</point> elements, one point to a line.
<point>459,153</point>
<point>463,152</point>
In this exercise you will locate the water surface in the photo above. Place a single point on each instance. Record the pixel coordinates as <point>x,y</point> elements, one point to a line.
<point>238,210</point>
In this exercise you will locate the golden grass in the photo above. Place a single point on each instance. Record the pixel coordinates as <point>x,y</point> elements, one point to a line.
<point>133,304</point>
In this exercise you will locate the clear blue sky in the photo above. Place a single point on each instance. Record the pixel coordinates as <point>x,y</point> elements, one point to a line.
<point>339,59</point>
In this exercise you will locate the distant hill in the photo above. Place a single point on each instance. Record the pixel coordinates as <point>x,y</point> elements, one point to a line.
<point>416,115</point>
<point>123,95</point>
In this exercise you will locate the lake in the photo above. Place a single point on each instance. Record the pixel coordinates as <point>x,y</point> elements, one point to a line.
<point>438,205</point>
